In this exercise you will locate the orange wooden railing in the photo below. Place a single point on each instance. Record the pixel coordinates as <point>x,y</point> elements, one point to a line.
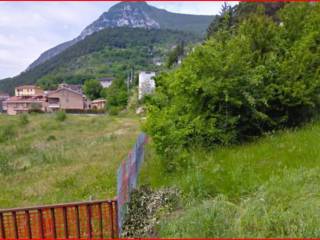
<point>93,219</point>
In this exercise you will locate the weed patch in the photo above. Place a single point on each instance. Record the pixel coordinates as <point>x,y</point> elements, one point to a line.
<point>145,208</point>
<point>7,132</point>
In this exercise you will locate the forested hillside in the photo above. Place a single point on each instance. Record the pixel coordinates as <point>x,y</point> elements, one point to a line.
<point>134,15</point>
<point>110,52</point>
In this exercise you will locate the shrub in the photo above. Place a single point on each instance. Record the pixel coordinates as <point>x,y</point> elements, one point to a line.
<point>51,138</point>
<point>7,132</point>
<point>259,77</point>
<point>117,94</point>
<point>35,111</point>
<point>86,111</point>
<point>5,167</point>
<point>23,119</point>
<point>92,89</point>
<point>114,110</point>
<point>61,116</point>
<point>144,209</point>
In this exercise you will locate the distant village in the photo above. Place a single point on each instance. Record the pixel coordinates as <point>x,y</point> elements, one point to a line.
<point>67,97</point>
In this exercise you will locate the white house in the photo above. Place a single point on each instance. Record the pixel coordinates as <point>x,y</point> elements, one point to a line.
<point>146,83</point>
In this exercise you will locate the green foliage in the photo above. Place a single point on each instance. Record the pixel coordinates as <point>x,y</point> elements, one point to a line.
<point>51,138</point>
<point>116,95</point>
<point>35,108</point>
<point>61,116</point>
<point>23,119</point>
<point>133,101</point>
<point>274,211</point>
<point>230,17</point>
<point>7,132</point>
<point>92,89</point>
<point>266,188</point>
<point>225,20</point>
<point>52,80</point>
<point>262,77</point>
<point>175,54</point>
<point>5,167</point>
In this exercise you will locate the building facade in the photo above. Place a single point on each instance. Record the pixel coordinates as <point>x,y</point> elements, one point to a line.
<point>16,104</point>
<point>28,91</point>
<point>65,99</point>
<point>98,104</point>
<point>3,98</point>
<point>146,83</point>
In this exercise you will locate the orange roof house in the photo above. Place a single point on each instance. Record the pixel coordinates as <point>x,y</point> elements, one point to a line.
<point>65,98</point>
<point>17,104</point>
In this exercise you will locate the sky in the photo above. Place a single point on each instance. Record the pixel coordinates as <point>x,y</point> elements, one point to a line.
<point>29,28</point>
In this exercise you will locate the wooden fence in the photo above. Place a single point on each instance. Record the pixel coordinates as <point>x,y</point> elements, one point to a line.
<point>93,219</point>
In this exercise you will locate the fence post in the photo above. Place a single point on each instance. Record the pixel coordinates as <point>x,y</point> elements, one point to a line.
<point>128,173</point>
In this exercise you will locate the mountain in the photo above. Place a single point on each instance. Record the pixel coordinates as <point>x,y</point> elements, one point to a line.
<point>134,15</point>
<point>109,52</point>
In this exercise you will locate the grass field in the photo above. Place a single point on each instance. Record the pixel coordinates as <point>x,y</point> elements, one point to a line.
<point>268,188</point>
<point>44,160</point>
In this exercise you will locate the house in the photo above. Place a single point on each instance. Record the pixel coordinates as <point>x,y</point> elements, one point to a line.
<point>19,104</point>
<point>146,83</point>
<point>106,82</point>
<point>28,91</point>
<point>65,98</point>
<point>98,104</point>
<point>3,98</point>
<point>27,98</point>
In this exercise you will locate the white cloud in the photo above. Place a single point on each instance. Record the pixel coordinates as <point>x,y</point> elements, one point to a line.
<point>29,28</point>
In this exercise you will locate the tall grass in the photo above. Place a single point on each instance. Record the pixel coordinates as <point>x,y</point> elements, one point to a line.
<point>269,188</point>
<point>49,161</point>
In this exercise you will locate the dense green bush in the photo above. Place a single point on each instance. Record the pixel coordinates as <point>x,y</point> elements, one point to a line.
<point>61,116</point>
<point>259,77</point>
<point>23,119</point>
<point>116,95</point>
<point>92,89</point>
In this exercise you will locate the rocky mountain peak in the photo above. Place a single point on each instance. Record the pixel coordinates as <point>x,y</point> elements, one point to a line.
<point>124,14</point>
<point>133,15</point>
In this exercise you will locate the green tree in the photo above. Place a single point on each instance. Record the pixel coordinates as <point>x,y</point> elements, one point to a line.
<point>116,95</point>
<point>175,54</point>
<point>92,89</point>
<point>224,20</point>
<point>262,77</point>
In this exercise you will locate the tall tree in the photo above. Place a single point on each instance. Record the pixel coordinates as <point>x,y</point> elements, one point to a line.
<point>92,89</point>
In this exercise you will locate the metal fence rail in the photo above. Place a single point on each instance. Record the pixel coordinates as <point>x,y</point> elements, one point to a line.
<point>93,219</point>
<point>127,177</point>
